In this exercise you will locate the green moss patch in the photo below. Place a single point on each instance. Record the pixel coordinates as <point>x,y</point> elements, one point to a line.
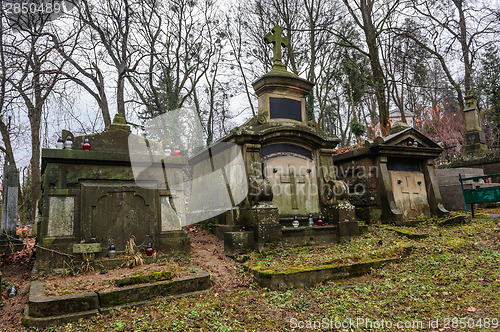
<point>411,234</point>
<point>141,278</point>
<point>456,220</point>
<point>454,272</point>
<point>376,244</point>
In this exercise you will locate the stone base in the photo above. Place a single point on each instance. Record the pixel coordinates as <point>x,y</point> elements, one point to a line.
<point>236,243</point>
<point>475,143</point>
<point>263,220</point>
<point>316,235</point>
<point>219,230</point>
<point>264,213</point>
<point>60,254</point>
<point>175,244</point>
<point>348,230</point>
<point>52,256</point>
<point>342,211</point>
<point>9,245</point>
<point>266,236</point>
<point>369,214</point>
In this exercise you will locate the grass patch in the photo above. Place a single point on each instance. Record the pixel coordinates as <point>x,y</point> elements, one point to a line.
<point>454,272</point>
<point>378,243</point>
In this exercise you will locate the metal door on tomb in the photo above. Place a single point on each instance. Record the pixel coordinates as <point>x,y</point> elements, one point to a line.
<point>291,170</point>
<point>410,194</point>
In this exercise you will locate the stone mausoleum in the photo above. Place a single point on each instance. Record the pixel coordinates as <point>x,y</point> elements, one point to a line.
<point>91,200</point>
<point>289,168</point>
<point>393,178</point>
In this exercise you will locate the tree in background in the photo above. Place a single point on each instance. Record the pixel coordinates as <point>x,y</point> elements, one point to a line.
<point>457,30</point>
<point>489,84</point>
<point>372,21</point>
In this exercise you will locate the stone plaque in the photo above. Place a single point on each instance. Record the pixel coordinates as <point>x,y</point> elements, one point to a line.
<point>61,216</point>
<point>410,193</point>
<point>294,185</point>
<point>284,108</point>
<point>116,213</point>
<point>86,248</point>
<point>170,220</point>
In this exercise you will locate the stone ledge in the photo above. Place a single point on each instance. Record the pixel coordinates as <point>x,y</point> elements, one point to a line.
<point>41,305</point>
<point>43,322</point>
<point>44,311</point>
<point>312,276</point>
<point>140,293</point>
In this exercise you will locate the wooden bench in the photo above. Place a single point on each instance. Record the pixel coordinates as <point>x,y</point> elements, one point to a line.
<point>480,195</point>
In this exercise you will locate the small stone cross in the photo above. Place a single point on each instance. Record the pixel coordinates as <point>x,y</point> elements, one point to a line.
<point>275,37</point>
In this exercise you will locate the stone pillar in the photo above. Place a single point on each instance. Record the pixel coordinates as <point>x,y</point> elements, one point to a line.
<point>390,212</point>
<point>10,194</point>
<point>475,141</point>
<point>433,193</point>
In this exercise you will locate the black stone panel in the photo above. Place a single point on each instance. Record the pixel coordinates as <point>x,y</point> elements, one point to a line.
<point>284,108</point>
<point>402,165</point>
<point>285,148</point>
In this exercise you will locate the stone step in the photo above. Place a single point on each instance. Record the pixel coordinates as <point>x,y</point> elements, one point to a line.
<point>7,245</point>
<point>6,248</point>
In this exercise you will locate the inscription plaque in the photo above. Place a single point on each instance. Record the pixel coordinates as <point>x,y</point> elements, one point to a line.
<point>284,108</point>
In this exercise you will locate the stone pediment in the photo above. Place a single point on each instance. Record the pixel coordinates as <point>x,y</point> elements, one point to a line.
<point>402,138</point>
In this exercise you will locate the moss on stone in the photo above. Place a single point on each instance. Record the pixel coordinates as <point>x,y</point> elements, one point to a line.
<point>140,279</point>
<point>456,220</point>
<point>266,272</point>
<point>407,233</point>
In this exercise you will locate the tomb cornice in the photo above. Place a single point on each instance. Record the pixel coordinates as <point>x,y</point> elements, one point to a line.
<point>280,81</point>
<point>283,131</point>
<point>99,157</point>
<point>415,153</point>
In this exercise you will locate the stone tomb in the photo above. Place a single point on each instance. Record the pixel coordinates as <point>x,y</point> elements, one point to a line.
<point>393,178</point>
<point>289,170</point>
<point>91,199</point>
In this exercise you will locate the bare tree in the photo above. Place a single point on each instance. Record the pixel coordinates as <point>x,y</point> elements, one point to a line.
<point>33,76</point>
<point>448,24</point>
<point>82,52</point>
<point>5,119</point>
<point>372,20</point>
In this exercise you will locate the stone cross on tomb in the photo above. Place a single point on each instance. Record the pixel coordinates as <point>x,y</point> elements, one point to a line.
<point>411,191</point>
<point>275,37</point>
<point>293,180</point>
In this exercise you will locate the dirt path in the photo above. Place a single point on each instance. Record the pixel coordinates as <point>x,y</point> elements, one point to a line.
<point>207,252</point>
<point>16,270</point>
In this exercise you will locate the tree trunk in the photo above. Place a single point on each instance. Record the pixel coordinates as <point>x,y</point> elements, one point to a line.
<point>9,154</point>
<point>465,48</point>
<point>378,74</point>
<point>120,94</point>
<point>34,119</point>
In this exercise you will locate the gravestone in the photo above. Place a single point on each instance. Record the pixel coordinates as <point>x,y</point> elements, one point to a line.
<point>10,195</point>
<point>288,166</point>
<point>393,178</point>
<point>92,198</point>
<point>8,239</point>
<point>475,140</point>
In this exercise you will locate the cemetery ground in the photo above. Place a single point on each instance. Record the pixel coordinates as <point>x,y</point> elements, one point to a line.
<point>453,271</point>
